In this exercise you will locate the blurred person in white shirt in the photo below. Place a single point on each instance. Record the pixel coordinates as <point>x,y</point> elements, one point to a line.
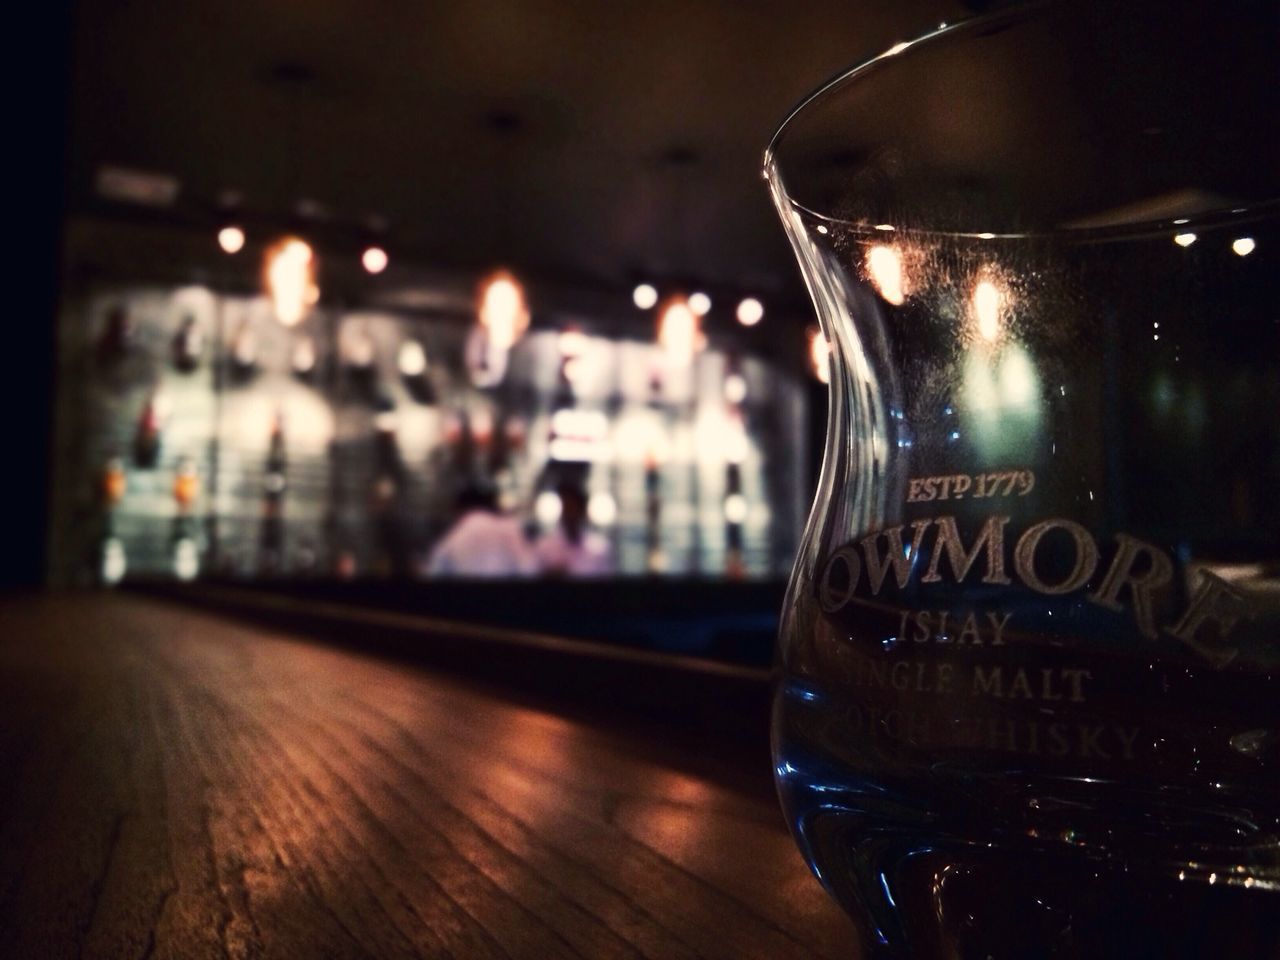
<point>483,542</point>
<point>572,549</point>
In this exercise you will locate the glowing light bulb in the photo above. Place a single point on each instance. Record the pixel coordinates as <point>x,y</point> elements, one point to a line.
<point>986,309</point>
<point>374,259</point>
<point>289,280</point>
<point>644,296</point>
<point>231,239</point>
<point>503,312</point>
<point>1184,239</point>
<point>884,266</point>
<point>700,303</point>
<point>1243,246</point>
<point>750,311</point>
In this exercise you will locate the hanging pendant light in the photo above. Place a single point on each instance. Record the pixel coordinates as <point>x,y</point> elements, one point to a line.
<point>503,311</point>
<point>290,280</point>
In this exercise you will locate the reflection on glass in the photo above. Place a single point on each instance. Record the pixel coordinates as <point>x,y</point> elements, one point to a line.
<point>884,265</point>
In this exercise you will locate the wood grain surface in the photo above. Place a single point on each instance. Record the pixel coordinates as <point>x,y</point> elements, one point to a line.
<point>180,785</point>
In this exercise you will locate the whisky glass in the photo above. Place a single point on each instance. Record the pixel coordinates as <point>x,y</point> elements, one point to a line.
<point>1027,697</point>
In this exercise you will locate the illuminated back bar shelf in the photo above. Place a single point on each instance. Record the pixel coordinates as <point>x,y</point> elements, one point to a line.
<point>198,436</point>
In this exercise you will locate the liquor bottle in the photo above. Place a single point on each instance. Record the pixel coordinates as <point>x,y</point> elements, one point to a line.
<point>411,360</point>
<point>184,546</point>
<point>1028,698</point>
<point>112,483</point>
<point>274,485</point>
<point>386,494</point>
<point>146,436</point>
<point>358,358</point>
<point>186,486</point>
<point>188,345</point>
<point>109,560</point>
<point>117,332</point>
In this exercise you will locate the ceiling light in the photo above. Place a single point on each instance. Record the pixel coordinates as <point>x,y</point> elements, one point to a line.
<point>750,311</point>
<point>644,296</point>
<point>231,239</point>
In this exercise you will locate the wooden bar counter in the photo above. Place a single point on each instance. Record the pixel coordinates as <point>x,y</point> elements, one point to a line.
<point>179,784</point>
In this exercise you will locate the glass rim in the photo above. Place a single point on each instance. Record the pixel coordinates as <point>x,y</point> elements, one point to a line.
<point>950,30</point>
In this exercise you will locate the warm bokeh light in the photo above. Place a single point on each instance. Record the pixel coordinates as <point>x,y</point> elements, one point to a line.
<point>987,303</point>
<point>289,280</point>
<point>114,482</point>
<point>602,509</point>
<point>231,239</point>
<point>678,331</point>
<point>735,388</point>
<point>411,359</point>
<point>374,259</point>
<point>1018,382</point>
<point>735,508</point>
<point>645,296</point>
<point>820,355</point>
<point>1243,246</point>
<point>547,507</point>
<point>186,484</point>
<point>1184,239</point>
<point>750,311</point>
<point>884,267</point>
<point>700,303</point>
<point>503,311</point>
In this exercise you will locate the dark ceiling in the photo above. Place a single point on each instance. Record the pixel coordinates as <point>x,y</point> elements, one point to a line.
<point>586,140</point>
